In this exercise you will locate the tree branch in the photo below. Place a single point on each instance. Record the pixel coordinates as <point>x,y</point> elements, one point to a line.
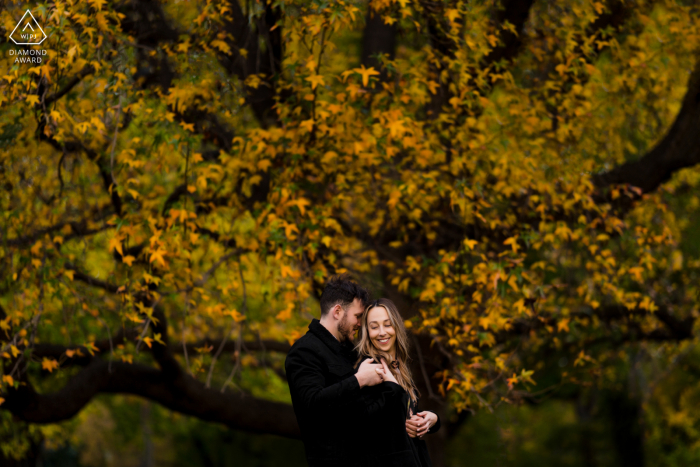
<point>95,282</point>
<point>184,395</point>
<point>680,148</point>
<point>231,346</point>
<point>87,70</point>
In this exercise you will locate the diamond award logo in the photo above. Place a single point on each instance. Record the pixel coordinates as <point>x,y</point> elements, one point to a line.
<point>28,31</point>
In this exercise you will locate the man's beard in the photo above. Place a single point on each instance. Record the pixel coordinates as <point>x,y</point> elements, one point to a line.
<point>345,331</point>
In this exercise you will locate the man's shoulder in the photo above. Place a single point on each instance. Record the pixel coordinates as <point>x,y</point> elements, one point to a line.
<point>307,341</point>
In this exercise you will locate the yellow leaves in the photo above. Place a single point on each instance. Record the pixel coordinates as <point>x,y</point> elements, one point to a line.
<point>223,47</point>
<point>49,364</point>
<point>204,349</point>
<point>15,351</point>
<point>158,339</point>
<point>115,243</point>
<point>290,229</point>
<point>427,295</point>
<point>187,126</point>
<point>98,124</point>
<point>412,264</point>
<point>513,242</point>
<point>677,260</point>
<point>7,379</point>
<point>526,375</point>
<point>637,272</point>
<point>485,322</point>
<point>307,125</point>
<point>396,128</point>
<point>285,314</point>
<point>315,80</point>
<point>33,99</point>
<point>452,14</point>
<point>582,359</point>
<point>648,304</point>
<point>365,73</point>
<point>237,316</point>
<point>253,81</point>
<point>36,249</point>
<point>300,203</point>
<point>563,325</point>
<point>492,40</point>
<point>394,198</point>
<point>97,4</point>
<point>470,244</point>
<point>151,279</point>
<point>157,255</point>
<point>91,348</point>
<point>128,259</point>
<point>285,271</point>
<point>326,240</point>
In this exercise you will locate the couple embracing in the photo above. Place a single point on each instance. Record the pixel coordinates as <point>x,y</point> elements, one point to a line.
<point>357,404</point>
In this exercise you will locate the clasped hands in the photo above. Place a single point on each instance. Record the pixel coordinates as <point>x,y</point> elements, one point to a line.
<point>419,424</point>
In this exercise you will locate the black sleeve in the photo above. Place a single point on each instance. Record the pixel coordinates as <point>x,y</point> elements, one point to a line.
<point>434,428</point>
<point>373,400</point>
<point>305,373</point>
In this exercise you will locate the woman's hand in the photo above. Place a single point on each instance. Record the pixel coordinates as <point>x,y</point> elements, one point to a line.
<point>420,423</point>
<point>386,373</point>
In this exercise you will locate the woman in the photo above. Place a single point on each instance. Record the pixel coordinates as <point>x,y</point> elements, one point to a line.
<point>398,423</point>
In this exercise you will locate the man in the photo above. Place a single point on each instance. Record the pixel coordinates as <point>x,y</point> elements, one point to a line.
<point>323,383</point>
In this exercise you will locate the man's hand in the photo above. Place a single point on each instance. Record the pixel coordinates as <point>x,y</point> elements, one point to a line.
<point>413,425</point>
<point>368,373</point>
<point>420,423</point>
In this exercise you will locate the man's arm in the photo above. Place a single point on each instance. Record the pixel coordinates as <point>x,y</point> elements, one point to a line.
<point>305,372</point>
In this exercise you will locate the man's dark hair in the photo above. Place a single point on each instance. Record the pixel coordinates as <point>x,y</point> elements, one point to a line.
<point>340,290</point>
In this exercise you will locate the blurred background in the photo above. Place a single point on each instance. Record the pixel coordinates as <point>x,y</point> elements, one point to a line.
<point>180,178</point>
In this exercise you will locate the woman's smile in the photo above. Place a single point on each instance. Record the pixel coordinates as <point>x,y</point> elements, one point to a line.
<point>381,331</point>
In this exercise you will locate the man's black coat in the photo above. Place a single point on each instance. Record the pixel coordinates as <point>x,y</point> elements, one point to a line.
<point>327,401</point>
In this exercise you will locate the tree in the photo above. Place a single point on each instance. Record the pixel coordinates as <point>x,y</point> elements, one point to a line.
<point>180,181</point>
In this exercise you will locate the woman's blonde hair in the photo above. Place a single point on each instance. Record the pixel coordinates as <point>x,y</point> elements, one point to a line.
<point>365,348</point>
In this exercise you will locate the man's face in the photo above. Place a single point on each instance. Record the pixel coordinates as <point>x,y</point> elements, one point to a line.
<point>350,322</point>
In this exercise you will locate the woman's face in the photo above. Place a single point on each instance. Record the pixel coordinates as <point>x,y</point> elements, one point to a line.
<point>381,333</point>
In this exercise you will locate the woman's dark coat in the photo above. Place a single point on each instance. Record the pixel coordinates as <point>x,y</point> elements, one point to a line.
<point>384,437</point>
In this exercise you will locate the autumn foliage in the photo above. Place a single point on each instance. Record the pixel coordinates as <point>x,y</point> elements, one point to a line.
<point>179,179</point>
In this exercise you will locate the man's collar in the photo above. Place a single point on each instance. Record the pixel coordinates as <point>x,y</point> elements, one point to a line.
<point>329,339</point>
